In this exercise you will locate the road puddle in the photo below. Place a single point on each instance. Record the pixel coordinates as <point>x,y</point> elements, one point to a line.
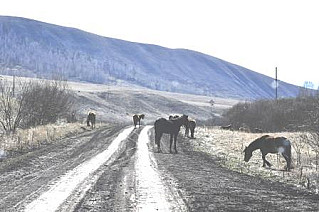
<point>151,192</point>
<point>79,176</point>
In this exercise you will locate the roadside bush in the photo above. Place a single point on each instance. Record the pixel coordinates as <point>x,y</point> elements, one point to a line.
<point>46,102</point>
<point>33,103</point>
<point>299,114</point>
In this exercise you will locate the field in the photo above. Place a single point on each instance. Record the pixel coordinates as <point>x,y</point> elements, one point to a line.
<point>227,147</point>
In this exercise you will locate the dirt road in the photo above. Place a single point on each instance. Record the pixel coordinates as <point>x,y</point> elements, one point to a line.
<point>115,168</point>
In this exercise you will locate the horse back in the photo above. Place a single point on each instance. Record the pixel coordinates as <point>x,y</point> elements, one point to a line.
<point>276,144</point>
<point>163,125</point>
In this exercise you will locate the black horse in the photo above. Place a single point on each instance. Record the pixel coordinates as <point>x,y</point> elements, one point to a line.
<point>268,144</point>
<point>137,119</point>
<point>171,127</point>
<point>190,126</point>
<point>90,121</point>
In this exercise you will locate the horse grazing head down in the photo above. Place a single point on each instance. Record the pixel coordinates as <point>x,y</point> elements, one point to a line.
<point>248,154</point>
<point>268,144</point>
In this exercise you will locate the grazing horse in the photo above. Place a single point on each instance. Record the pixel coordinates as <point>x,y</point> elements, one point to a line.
<point>268,144</point>
<point>191,124</point>
<point>171,127</point>
<point>90,121</point>
<point>137,119</point>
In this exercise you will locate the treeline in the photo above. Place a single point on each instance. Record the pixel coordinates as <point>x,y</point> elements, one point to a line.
<point>293,114</point>
<point>33,103</point>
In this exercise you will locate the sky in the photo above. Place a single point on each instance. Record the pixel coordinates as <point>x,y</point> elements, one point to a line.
<point>257,34</point>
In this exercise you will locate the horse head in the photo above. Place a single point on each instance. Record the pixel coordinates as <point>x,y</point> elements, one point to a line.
<point>185,119</point>
<point>248,154</point>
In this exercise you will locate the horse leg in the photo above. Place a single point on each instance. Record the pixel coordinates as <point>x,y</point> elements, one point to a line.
<point>158,140</point>
<point>287,161</point>
<point>287,155</point>
<point>265,161</point>
<point>192,133</point>
<point>175,141</point>
<point>170,143</point>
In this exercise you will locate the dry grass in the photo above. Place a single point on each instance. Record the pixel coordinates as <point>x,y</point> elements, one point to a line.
<point>228,147</point>
<point>26,140</point>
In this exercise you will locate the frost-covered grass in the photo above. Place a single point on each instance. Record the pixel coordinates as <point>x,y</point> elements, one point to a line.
<point>227,147</point>
<point>28,139</point>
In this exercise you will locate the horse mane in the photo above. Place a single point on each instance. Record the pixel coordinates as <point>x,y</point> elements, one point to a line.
<point>257,141</point>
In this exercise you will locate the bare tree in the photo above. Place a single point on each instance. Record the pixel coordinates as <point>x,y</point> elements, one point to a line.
<point>11,107</point>
<point>35,103</point>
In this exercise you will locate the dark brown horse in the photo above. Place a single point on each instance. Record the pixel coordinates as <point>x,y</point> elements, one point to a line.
<point>90,121</point>
<point>171,127</point>
<point>137,119</point>
<point>190,126</point>
<point>268,144</point>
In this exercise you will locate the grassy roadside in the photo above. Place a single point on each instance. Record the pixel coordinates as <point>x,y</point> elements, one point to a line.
<point>29,139</point>
<point>228,146</point>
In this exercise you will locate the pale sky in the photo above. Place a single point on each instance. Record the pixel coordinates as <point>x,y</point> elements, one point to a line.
<point>257,34</point>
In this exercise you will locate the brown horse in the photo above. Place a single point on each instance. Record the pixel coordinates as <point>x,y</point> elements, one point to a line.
<point>137,119</point>
<point>190,126</point>
<point>268,144</point>
<point>90,121</point>
<point>171,127</point>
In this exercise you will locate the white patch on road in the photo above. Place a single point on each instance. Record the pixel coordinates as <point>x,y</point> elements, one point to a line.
<point>61,190</point>
<point>151,192</point>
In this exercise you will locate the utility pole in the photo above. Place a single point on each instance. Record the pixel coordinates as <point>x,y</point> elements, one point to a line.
<point>276,85</point>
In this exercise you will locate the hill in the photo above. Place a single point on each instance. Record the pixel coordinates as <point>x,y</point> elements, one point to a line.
<point>35,49</point>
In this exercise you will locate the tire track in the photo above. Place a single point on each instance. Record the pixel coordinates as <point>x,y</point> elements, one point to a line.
<point>151,191</point>
<point>82,176</point>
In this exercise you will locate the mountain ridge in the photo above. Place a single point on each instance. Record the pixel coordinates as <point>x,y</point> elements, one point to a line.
<point>39,49</point>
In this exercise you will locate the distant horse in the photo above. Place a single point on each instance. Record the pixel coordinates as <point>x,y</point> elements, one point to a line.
<point>90,121</point>
<point>137,119</point>
<point>190,126</point>
<point>227,127</point>
<point>171,127</point>
<point>268,144</point>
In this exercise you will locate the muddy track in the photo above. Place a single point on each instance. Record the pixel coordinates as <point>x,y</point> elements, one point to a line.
<point>187,181</point>
<point>23,178</point>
